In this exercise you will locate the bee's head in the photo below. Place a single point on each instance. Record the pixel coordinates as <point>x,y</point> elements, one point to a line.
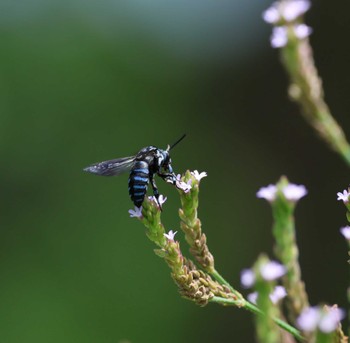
<point>165,157</point>
<point>164,160</point>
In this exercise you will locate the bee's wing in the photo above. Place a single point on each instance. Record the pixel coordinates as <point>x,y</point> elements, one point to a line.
<point>112,167</point>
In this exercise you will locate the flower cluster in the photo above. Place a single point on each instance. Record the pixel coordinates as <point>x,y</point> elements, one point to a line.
<point>286,11</point>
<point>285,15</point>
<point>279,37</point>
<point>324,319</point>
<point>278,293</point>
<point>291,192</point>
<point>184,186</point>
<point>269,271</point>
<point>196,283</point>
<point>344,197</point>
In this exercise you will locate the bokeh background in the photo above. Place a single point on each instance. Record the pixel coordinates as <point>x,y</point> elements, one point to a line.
<point>86,81</point>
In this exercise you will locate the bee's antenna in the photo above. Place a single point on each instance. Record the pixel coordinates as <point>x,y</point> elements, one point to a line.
<point>178,141</point>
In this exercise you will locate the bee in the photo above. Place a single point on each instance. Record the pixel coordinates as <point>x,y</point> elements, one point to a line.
<point>143,167</point>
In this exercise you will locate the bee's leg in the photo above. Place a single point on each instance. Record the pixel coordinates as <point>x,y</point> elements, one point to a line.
<point>155,191</point>
<point>168,177</point>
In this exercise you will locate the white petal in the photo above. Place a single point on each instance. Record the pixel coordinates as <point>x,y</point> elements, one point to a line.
<point>343,196</point>
<point>137,213</point>
<point>170,235</point>
<point>198,176</point>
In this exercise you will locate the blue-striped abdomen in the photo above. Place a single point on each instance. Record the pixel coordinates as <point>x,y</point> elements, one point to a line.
<point>138,182</point>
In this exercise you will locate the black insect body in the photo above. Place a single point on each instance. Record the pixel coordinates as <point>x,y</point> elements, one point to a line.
<point>143,166</point>
<point>138,182</point>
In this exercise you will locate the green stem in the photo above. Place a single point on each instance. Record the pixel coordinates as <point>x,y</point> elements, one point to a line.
<point>252,308</point>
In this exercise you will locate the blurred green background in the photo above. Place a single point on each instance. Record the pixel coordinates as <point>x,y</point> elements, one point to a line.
<point>86,81</point>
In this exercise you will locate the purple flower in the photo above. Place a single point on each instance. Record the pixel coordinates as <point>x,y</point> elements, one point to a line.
<point>326,320</point>
<point>271,15</point>
<point>288,10</point>
<point>308,319</point>
<point>186,187</point>
<point>253,297</point>
<point>272,270</point>
<point>302,31</point>
<point>345,231</point>
<point>198,176</point>
<point>292,9</point>
<point>343,196</point>
<point>279,37</point>
<point>247,278</point>
<point>294,192</point>
<point>268,193</point>
<point>331,319</point>
<point>183,185</point>
<point>277,294</point>
<point>170,235</point>
<point>136,213</point>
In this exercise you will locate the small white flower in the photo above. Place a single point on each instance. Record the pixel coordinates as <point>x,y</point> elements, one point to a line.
<point>268,193</point>
<point>272,270</point>
<point>345,231</point>
<point>277,294</point>
<point>294,192</point>
<point>136,213</point>
<point>183,185</point>
<point>247,278</point>
<point>279,37</point>
<point>308,319</point>
<point>343,196</point>
<point>161,199</point>
<point>186,187</point>
<point>198,176</point>
<point>253,297</point>
<point>302,31</point>
<point>330,319</point>
<point>293,9</point>
<point>170,235</point>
